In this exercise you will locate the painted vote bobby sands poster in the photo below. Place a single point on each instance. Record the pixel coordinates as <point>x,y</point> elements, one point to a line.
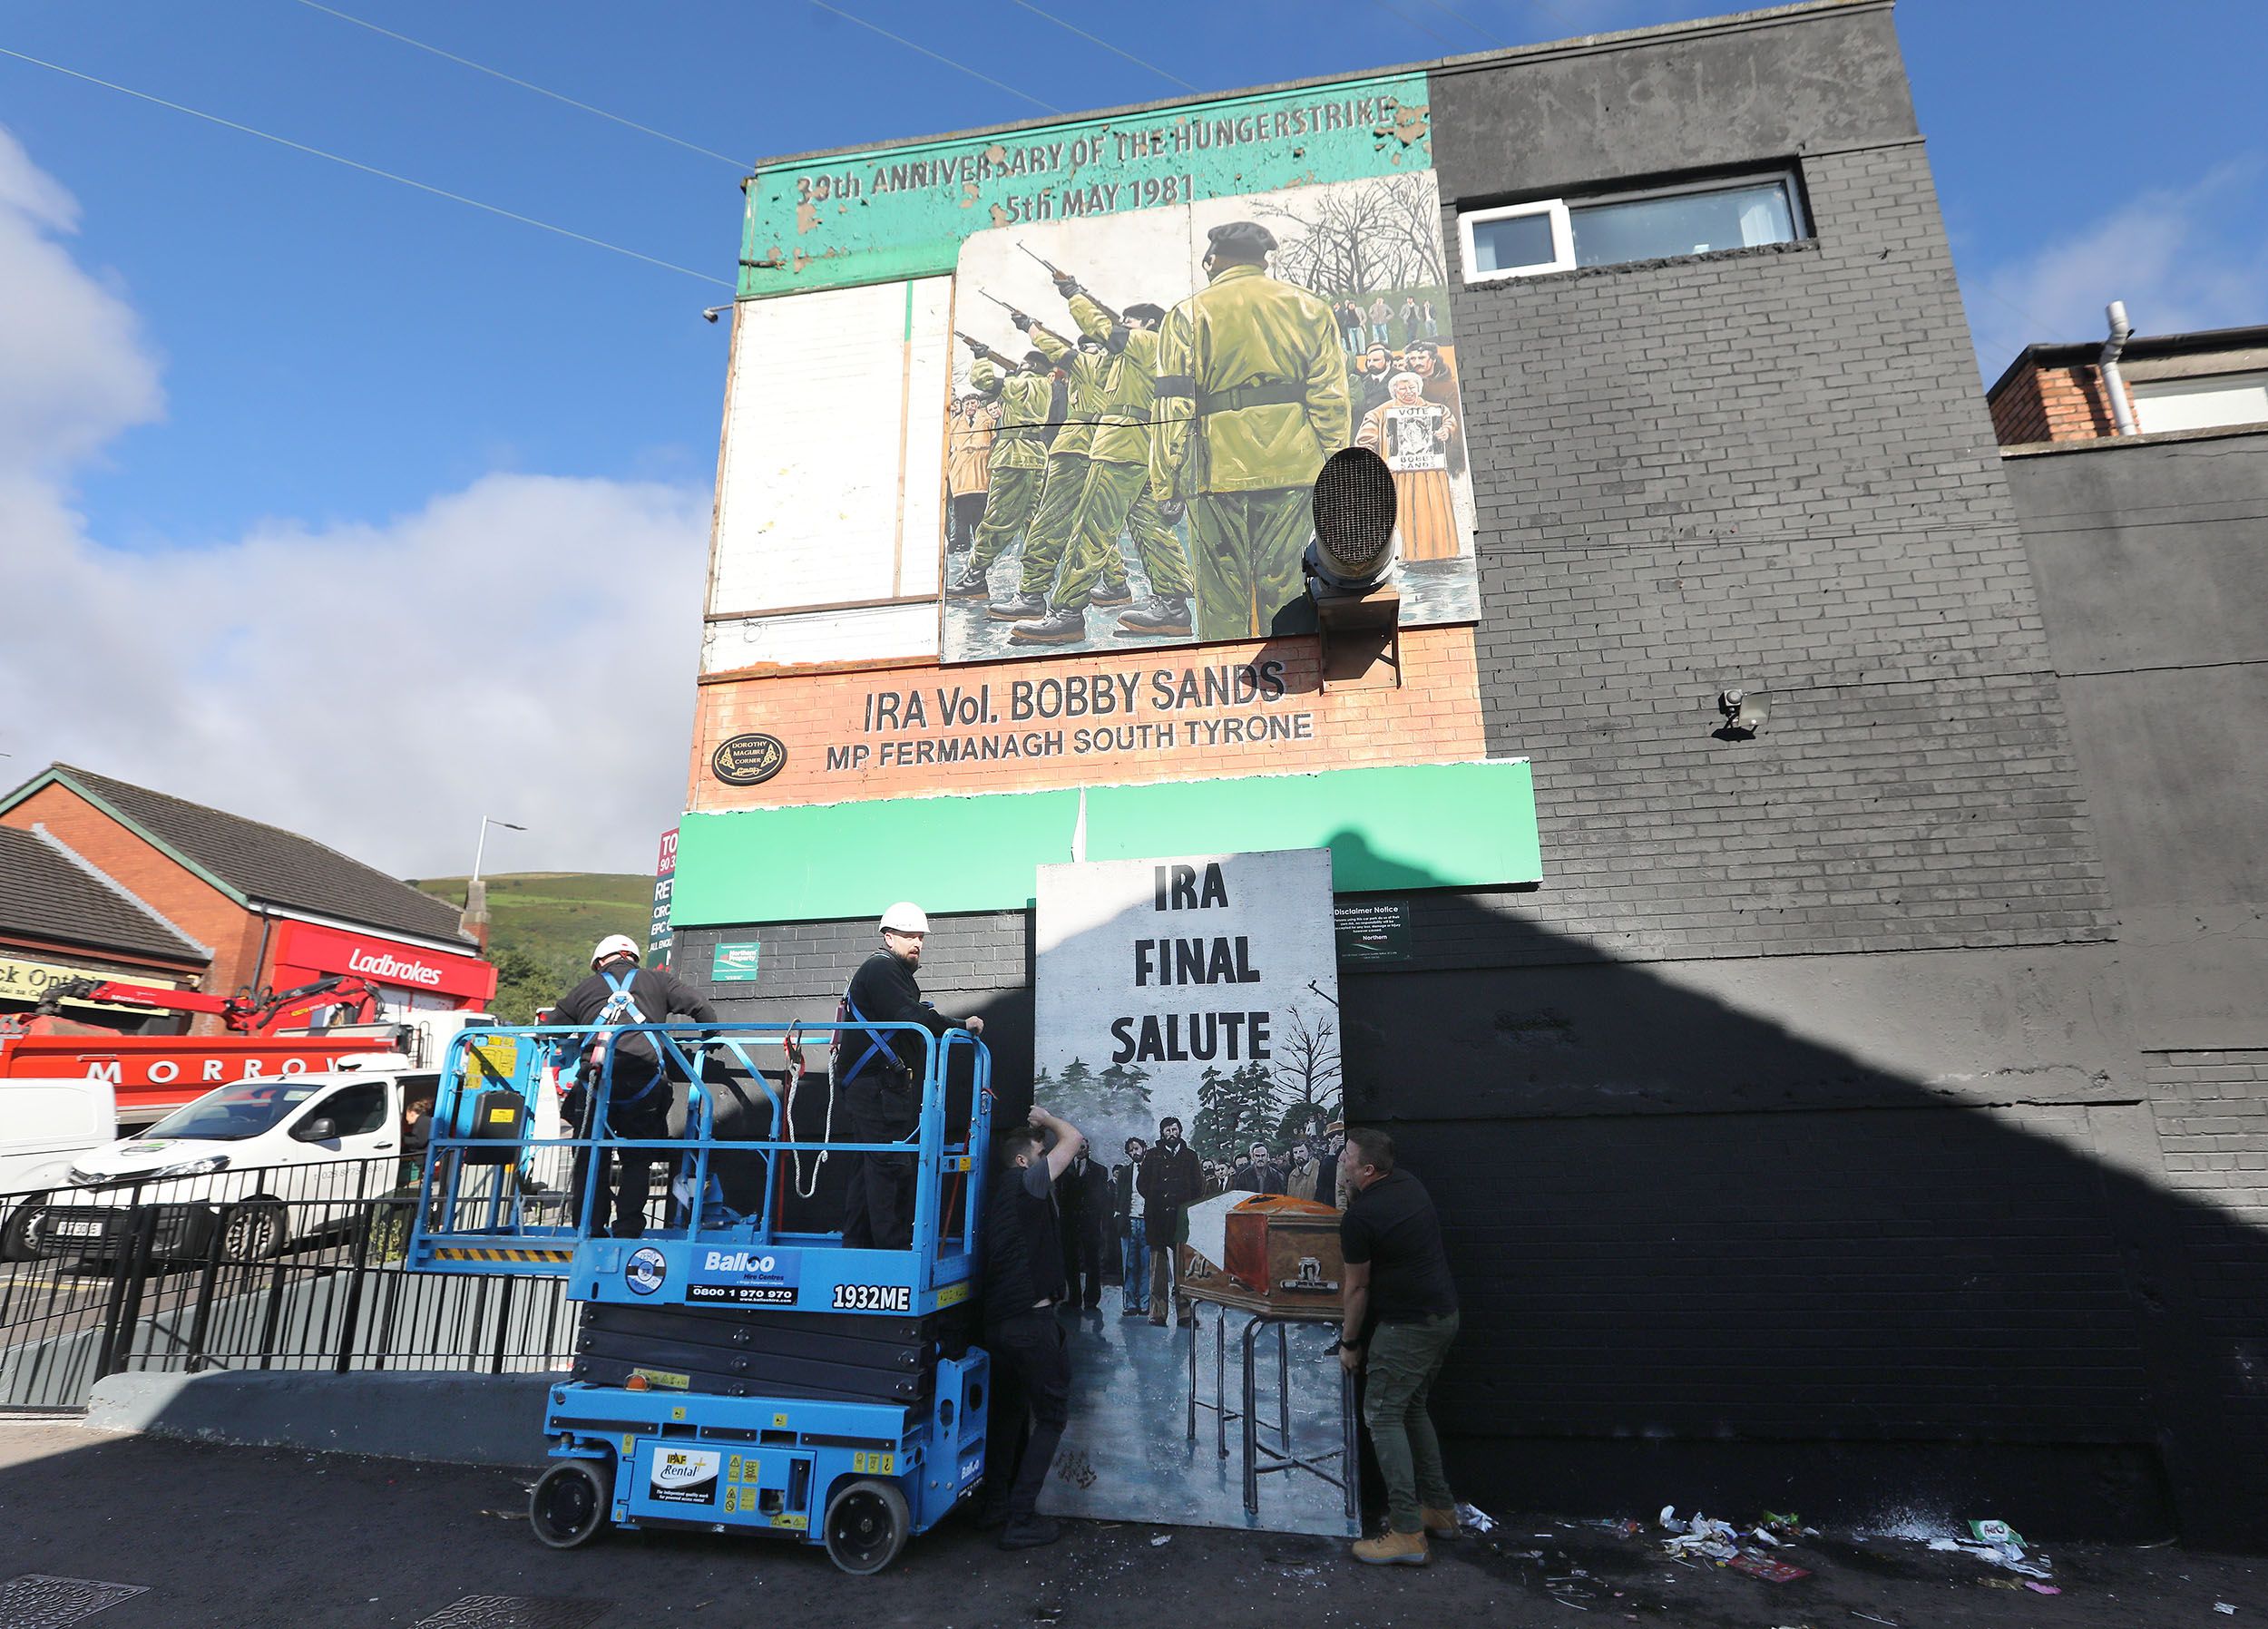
<point>1201,987</point>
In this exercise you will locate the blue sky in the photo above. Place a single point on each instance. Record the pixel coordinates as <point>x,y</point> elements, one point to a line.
<point>268,394</point>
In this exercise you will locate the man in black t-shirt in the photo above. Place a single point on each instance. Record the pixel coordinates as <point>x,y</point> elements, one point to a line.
<point>1399,1315</point>
<point>1031,1371</point>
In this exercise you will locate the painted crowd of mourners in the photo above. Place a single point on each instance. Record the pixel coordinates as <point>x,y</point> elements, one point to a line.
<point>1118,1217</point>
<point>1210,419</point>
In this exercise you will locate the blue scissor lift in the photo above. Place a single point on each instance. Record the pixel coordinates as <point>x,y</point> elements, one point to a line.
<point>740,1370</point>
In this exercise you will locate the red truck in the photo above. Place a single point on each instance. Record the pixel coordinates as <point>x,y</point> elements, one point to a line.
<point>150,1075</point>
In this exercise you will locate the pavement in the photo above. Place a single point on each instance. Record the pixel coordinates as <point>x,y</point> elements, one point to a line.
<point>246,1537</point>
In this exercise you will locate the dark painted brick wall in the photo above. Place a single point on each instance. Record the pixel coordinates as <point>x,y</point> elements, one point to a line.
<point>1769,468</point>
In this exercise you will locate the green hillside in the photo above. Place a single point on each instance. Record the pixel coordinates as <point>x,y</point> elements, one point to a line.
<point>542,924</point>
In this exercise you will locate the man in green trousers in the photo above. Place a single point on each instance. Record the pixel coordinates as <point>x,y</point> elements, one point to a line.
<point>1069,456</point>
<point>1252,397</point>
<point>1026,393</point>
<point>1399,1317</point>
<point>1117,499</point>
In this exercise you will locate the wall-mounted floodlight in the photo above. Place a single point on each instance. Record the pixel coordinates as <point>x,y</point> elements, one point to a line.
<point>1354,509</point>
<point>1357,612</point>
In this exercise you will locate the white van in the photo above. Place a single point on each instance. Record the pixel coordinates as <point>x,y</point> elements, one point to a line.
<point>42,1122</point>
<point>270,1160</point>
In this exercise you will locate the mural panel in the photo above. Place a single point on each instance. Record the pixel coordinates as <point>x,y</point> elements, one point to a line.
<point>1188,1025</point>
<point>1145,400</point>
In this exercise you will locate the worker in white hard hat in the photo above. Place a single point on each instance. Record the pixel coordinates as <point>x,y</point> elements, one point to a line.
<point>638,1098</point>
<point>878,1073</point>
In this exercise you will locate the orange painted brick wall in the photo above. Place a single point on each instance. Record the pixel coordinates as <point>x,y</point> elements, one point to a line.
<point>192,905</point>
<point>2054,403</point>
<point>1277,719</point>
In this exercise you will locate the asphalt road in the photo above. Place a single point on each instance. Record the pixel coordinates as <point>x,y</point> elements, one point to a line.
<point>243,1538</point>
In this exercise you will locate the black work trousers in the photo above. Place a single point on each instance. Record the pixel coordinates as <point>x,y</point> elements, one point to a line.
<point>618,1210</point>
<point>1032,1404</point>
<point>879,1203</point>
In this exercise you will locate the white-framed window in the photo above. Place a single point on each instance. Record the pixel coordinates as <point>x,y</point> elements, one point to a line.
<point>1518,241</point>
<point>1697,218</point>
<point>2200,401</point>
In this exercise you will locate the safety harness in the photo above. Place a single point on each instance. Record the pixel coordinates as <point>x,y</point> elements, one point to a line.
<point>877,1045</point>
<point>622,1008</point>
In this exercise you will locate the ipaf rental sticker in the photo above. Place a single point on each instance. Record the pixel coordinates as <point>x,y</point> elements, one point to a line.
<point>685,1476</point>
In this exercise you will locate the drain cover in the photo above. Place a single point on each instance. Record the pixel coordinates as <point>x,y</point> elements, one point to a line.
<point>40,1601</point>
<point>509,1611</point>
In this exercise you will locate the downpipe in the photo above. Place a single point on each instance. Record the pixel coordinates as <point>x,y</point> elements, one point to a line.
<point>2114,383</point>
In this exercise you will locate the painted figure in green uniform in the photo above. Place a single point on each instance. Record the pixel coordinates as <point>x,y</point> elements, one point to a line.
<point>1117,498</point>
<point>1069,455</point>
<point>1026,393</point>
<point>1252,396</point>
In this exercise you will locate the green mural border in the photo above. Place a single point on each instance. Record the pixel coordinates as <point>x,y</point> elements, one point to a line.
<point>1390,830</point>
<point>819,222</point>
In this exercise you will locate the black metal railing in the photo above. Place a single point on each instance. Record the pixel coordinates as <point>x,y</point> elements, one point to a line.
<point>298,1267</point>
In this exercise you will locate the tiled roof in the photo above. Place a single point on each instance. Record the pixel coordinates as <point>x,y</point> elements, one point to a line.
<point>268,863</point>
<point>44,894</point>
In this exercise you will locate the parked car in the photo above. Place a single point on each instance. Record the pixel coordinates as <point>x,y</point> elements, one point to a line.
<point>268,1161</point>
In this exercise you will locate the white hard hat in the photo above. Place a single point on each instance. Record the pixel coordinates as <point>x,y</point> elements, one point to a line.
<point>611,946</point>
<point>905,917</point>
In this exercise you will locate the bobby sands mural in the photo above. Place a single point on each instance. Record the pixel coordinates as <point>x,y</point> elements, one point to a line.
<point>1171,465</point>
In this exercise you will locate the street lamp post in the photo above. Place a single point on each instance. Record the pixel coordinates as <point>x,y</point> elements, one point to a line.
<point>481,848</point>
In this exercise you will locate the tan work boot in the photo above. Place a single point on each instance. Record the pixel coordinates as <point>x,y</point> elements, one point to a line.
<point>1441,1523</point>
<point>1391,1548</point>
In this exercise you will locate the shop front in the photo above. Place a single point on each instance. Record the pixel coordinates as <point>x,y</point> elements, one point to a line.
<point>410,977</point>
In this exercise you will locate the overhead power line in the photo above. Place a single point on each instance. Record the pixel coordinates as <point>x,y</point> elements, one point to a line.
<point>1047,107</point>
<point>366,169</point>
<point>1400,17</point>
<point>1468,22</point>
<point>1106,45</point>
<point>332,11</point>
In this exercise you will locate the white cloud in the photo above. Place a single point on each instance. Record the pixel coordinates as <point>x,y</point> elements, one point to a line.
<point>74,370</point>
<point>2183,258</point>
<point>524,647</point>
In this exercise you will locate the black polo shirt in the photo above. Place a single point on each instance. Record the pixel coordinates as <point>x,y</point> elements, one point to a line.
<point>1393,1225</point>
<point>1023,1249</point>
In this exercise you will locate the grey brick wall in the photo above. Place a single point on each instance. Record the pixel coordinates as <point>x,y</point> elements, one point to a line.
<point>2212,1113</point>
<point>808,963</point>
<point>1772,468</point>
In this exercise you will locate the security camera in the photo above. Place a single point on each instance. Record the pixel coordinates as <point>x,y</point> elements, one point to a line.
<point>713,312</point>
<point>1745,711</point>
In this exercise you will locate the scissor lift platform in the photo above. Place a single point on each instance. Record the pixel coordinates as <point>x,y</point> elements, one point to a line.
<point>733,1373</point>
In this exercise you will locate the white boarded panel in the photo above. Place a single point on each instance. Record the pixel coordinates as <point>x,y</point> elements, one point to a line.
<point>834,396</point>
<point>877,633</point>
<point>930,356</point>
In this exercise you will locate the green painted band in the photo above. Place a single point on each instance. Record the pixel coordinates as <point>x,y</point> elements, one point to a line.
<point>901,210</point>
<point>1389,830</point>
